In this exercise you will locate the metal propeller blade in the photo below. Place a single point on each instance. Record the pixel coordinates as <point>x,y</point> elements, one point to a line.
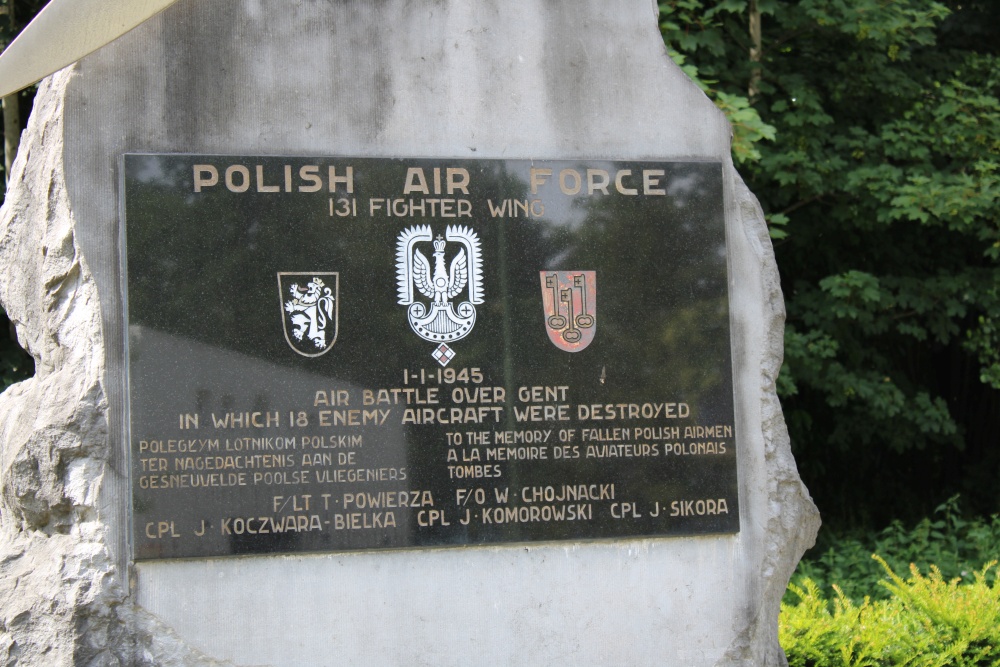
<point>65,31</point>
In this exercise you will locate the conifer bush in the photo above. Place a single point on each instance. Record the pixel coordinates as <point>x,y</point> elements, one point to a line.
<point>847,607</point>
<point>927,621</point>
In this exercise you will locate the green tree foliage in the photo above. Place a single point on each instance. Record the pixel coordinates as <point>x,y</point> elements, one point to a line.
<point>873,143</point>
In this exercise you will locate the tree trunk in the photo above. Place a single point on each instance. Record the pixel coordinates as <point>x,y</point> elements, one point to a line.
<point>11,132</point>
<point>753,89</point>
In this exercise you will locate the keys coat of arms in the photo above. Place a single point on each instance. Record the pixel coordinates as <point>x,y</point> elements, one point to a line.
<point>309,310</point>
<point>440,320</point>
<point>569,299</point>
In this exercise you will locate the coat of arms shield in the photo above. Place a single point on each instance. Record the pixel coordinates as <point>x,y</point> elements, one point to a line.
<point>441,321</point>
<point>569,300</point>
<point>309,308</point>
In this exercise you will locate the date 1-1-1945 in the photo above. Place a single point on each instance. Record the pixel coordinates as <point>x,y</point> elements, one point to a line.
<point>443,376</point>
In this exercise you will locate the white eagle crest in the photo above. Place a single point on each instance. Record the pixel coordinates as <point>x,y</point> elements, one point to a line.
<point>441,321</point>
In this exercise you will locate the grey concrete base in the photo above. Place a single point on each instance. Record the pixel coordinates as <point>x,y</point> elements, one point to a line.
<point>451,78</point>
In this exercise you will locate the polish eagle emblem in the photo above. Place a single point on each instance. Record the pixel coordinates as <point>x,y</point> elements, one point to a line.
<point>441,320</point>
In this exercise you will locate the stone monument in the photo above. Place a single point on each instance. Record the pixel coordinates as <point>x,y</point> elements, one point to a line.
<point>409,332</point>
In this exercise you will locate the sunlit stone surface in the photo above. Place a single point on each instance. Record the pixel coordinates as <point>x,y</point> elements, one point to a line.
<point>527,80</point>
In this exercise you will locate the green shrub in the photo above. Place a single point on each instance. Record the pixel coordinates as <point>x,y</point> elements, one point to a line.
<point>927,621</point>
<point>956,546</point>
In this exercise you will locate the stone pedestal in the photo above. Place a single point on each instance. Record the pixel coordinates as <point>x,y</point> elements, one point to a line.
<point>533,79</point>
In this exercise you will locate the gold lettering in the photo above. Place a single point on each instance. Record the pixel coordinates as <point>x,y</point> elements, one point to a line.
<point>597,179</point>
<point>415,181</point>
<point>211,178</point>
<point>573,175</point>
<point>458,179</point>
<point>538,177</point>
<point>347,179</point>
<point>620,185</point>
<point>260,181</point>
<point>244,174</point>
<point>310,172</point>
<point>650,180</point>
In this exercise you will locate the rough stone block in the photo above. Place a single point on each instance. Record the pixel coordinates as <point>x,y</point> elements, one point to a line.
<point>427,78</point>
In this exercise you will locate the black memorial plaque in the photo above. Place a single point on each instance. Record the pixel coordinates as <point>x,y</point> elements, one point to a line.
<point>332,354</point>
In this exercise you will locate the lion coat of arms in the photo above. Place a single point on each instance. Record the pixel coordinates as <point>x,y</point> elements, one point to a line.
<point>309,302</point>
<point>440,320</point>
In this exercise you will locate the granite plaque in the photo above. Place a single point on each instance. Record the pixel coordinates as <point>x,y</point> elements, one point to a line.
<point>332,354</point>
